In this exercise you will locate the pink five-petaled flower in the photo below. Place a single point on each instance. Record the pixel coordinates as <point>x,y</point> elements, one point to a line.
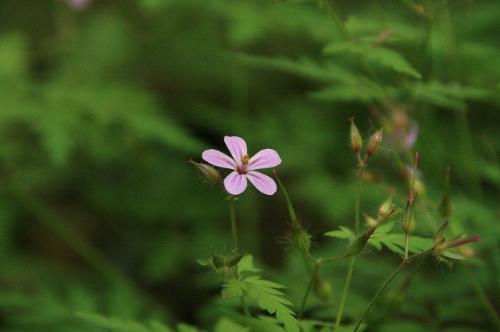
<point>243,166</point>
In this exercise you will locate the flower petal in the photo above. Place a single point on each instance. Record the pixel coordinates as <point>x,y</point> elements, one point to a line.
<point>262,182</point>
<point>264,159</point>
<point>218,159</point>
<point>235,183</point>
<point>237,146</point>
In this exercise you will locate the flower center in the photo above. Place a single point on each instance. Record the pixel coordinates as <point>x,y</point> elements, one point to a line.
<point>242,169</point>
<point>244,159</point>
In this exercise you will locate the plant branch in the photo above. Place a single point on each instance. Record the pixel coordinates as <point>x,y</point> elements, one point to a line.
<point>234,225</point>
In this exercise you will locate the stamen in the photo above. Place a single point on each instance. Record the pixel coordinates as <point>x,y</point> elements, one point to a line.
<point>244,159</point>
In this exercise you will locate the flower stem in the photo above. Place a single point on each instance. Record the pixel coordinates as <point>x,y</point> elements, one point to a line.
<point>331,8</point>
<point>234,225</point>
<point>291,209</point>
<point>386,283</point>
<point>345,291</point>
<point>379,292</point>
<point>244,305</point>
<point>234,232</point>
<point>407,244</point>
<point>308,290</point>
<point>488,307</point>
<point>352,262</point>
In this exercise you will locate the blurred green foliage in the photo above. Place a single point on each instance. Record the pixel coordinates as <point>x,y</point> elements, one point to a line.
<point>102,218</point>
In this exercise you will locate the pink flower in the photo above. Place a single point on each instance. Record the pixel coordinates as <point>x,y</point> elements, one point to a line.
<point>244,167</point>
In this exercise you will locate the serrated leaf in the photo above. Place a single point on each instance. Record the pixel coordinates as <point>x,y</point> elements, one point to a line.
<point>226,325</point>
<point>186,328</point>
<point>268,296</point>
<point>376,55</point>
<point>452,255</point>
<point>234,288</point>
<point>111,323</point>
<point>246,264</point>
<point>342,233</point>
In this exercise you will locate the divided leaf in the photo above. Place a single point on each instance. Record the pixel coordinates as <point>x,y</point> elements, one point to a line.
<point>377,55</point>
<point>121,325</point>
<point>267,294</point>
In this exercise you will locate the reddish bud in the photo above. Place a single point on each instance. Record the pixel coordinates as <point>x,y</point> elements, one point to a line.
<point>374,143</point>
<point>356,139</point>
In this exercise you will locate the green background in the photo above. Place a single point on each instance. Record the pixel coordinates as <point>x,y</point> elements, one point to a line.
<point>100,110</point>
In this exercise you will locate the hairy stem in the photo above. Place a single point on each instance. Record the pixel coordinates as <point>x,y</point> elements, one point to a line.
<point>345,291</point>
<point>407,244</point>
<point>234,225</point>
<point>332,9</point>
<point>308,290</point>
<point>234,233</point>
<point>488,307</point>
<point>357,213</point>
<point>289,204</point>
<point>379,292</point>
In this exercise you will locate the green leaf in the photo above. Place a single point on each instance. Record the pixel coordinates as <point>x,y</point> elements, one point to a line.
<point>267,294</point>
<point>121,325</point>
<point>186,328</point>
<point>226,325</point>
<point>376,55</point>
<point>246,264</point>
<point>342,233</point>
<point>395,241</point>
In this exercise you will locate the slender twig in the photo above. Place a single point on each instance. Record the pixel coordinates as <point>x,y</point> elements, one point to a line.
<point>234,225</point>
<point>333,259</point>
<point>386,283</point>
<point>407,244</point>
<point>483,298</point>
<point>379,292</point>
<point>357,200</point>
<point>345,291</point>
<point>234,233</point>
<point>308,289</point>
<point>331,8</point>
<point>289,204</point>
<point>352,262</point>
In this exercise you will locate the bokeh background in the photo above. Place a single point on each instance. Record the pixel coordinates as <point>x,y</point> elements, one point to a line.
<point>102,103</point>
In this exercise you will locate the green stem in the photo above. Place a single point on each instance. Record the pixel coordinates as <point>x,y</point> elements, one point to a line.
<point>234,233</point>
<point>333,259</point>
<point>345,291</point>
<point>308,290</point>
<point>331,8</point>
<point>488,307</point>
<point>291,209</point>
<point>234,225</point>
<point>357,200</point>
<point>352,262</point>
<point>244,305</point>
<point>407,244</point>
<point>379,292</point>
<point>388,281</point>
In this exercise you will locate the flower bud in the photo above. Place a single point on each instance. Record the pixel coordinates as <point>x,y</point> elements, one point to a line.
<point>356,140</point>
<point>385,208</point>
<point>226,261</point>
<point>322,288</point>
<point>370,221</point>
<point>374,143</point>
<point>461,242</point>
<point>440,248</point>
<point>301,240</point>
<point>218,261</point>
<point>409,222</point>
<point>207,172</point>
